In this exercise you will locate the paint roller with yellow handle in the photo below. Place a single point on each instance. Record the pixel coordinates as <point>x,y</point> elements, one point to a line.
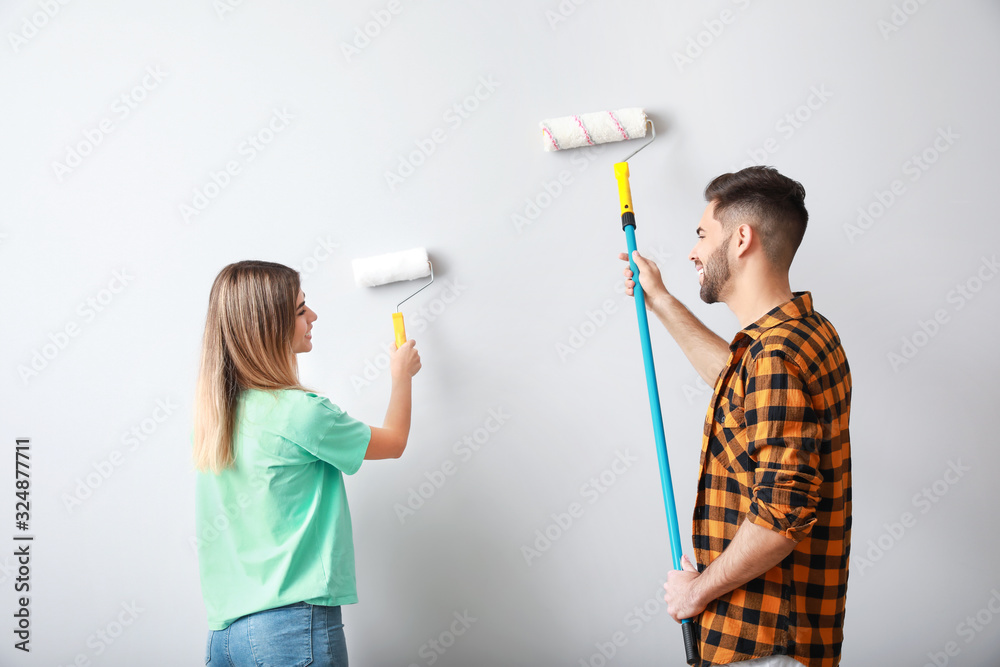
<point>390,268</point>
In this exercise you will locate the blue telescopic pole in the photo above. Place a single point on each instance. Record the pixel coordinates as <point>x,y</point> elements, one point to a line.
<point>628,225</point>
<point>654,406</point>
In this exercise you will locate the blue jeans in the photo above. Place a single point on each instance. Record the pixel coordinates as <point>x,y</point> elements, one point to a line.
<point>295,635</point>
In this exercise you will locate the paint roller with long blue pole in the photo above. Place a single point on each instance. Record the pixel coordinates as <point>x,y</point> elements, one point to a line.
<point>591,129</point>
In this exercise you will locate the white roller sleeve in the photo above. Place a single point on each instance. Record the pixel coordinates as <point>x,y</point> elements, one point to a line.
<point>593,128</point>
<point>382,269</point>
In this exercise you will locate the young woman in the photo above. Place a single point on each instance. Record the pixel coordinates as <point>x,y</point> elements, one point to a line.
<point>273,528</point>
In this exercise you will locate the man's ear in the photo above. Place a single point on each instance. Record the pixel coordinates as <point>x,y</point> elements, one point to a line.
<point>744,236</point>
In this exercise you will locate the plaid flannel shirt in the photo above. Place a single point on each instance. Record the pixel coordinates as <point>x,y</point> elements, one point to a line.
<point>776,451</point>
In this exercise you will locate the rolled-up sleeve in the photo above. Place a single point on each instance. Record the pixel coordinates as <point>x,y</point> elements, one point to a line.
<point>784,436</point>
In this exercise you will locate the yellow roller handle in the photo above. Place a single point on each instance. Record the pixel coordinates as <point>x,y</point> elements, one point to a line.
<point>624,191</point>
<point>397,325</point>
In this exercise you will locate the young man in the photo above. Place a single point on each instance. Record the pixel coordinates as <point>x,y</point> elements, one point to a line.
<point>772,518</point>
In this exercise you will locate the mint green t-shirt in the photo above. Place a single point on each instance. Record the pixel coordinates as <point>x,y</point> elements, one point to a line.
<point>275,529</point>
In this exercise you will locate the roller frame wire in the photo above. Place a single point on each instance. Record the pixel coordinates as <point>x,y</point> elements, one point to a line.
<point>419,290</point>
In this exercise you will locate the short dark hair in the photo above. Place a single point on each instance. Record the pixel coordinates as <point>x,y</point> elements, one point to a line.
<point>773,204</point>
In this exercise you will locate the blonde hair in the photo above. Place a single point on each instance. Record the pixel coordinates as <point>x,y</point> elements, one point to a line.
<point>247,345</point>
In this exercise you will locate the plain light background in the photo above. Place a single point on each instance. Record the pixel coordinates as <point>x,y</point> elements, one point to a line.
<point>527,318</point>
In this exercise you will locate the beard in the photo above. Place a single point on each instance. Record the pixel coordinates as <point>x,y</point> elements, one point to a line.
<point>717,272</point>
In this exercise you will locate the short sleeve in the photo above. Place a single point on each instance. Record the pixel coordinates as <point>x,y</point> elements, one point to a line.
<point>330,434</point>
<point>784,436</point>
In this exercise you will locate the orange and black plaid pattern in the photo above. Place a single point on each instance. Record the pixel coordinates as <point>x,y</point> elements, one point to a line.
<point>776,451</point>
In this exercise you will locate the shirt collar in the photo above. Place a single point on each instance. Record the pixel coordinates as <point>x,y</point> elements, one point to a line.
<point>798,307</point>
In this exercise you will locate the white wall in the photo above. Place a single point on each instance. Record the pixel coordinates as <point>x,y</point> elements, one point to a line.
<point>318,189</point>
